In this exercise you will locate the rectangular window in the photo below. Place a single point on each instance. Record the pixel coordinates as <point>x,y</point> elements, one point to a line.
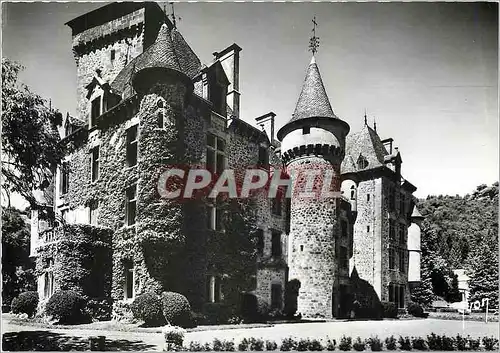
<point>263,157</point>
<point>276,244</point>
<point>392,258</point>
<point>93,211</point>
<point>397,294</point>
<point>402,254</point>
<point>113,54</point>
<point>344,258</point>
<point>132,146</point>
<point>368,229</point>
<point>95,163</point>
<point>306,130</point>
<point>402,235</point>
<point>131,205</point>
<point>95,111</point>
<point>64,178</point>
<point>392,230</point>
<point>276,205</point>
<point>343,225</point>
<point>214,289</point>
<point>402,208</point>
<point>368,197</point>
<point>276,294</point>
<point>216,159</point>
<point>129,280</point>
<point>260,242</point>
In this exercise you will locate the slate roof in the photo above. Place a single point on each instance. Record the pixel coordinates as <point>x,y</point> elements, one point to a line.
<point>366,143</point>
<point>313,100</point>
<point>169,50</point>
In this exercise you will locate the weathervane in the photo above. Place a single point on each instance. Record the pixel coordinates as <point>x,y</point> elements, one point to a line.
<point>314,41</point>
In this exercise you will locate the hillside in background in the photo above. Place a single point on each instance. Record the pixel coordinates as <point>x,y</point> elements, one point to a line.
<point>460,232</point>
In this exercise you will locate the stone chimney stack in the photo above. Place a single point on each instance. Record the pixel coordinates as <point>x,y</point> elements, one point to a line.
<point>230,61</point>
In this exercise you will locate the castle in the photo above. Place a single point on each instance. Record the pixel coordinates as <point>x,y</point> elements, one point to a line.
<point>144,101</point>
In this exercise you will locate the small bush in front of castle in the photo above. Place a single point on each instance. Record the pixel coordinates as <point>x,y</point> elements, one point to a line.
<point>228,346</point>
<point>404,343</point>
<point>461,343</point>
<point>418,343</point>
<point>345,343</point>
<point>195,346</point>
<point>271,345</point>
<point>66,306</point>
<point>176,309</point>
<point>243,345</point>
<point>256,344</point>
<point>288,344</point>
<point>303,345</point>
<point>254,308</point>
<point>490,343</point>
<point>25,303</point>
<point>359,344</point>
<point>415,309</point>
<point>375,344</point>
<point>99,309</point>
<point>148,307</point>
<point>391,343</point>
<point>331,344</point>
<point>448,343</point>
<point>217,345</point>
<point>474,343</point>
<point>389,310</point>
<point>434,342</point>
<point>315,345</point>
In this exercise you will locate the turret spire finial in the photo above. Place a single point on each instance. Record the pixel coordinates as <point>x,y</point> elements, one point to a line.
<point>314,41</point>
<point>365,118</point>
<point>374,125</point>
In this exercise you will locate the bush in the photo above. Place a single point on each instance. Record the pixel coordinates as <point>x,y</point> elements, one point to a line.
<point>418,343</point>
<point>415,309</point>
<point>359,345</point>
<point>474,343</point>
<point>25,303</point>
<point>195,346</point>
<point>173,335</point>
<point>448,343</point>
<point>389,310</point>
<point>288,344</point>
<point>375,344</point>
<point>99,309</point>
<point>315,345</point>
<point>435,342</point>
<point>147,307</point>
<point>461,343</point>
<point>216,314</point>
<point>404,343</point>
<point>345,343</point>
<point>254,308</point>
<point>330,344</point>
<point>489,343</point>
<point>243,345</point>
<point>390,343</point>
<point>303,345</point>
<point>256,344</point>
<point>176,309</point>
<point>228,346</point>
<point>271,345</point>
<point>66,306</point>
<point>217,345</point>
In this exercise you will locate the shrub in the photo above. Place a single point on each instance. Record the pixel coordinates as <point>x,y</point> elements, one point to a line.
<point>345,343</point>
<point>435,342</point>
<point>288,344</point>
<point>173,334</point>
<point>359,345</point>
<point>195,346</point>
<point>375,344</point>
<point>448,343</point>
<point>216,313</point>
<point>404,343</point>
<point>66,306</point>
<point>390,343</point>
<point>473,343</point>
<point>461,343</point>
<point>271,345</point>
<point>207,347</point>
<point>228,346</point>
<point>243,345</point>
<point>389,310</point>
<point>256,344</point>
<point>254,308</point>
<point>148,307</point>
<point>315,345</point>
<point>99,309</point>
<point>415,309</point>
<point>418,343</point>
<point>330,344</point>
<point>176,309</point>
<point>25,303</point>
<point>303,345</point>
<point>489,343</point>
<point>217,345</point>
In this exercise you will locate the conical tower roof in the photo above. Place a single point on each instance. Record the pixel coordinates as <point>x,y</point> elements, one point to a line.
<point>313,100</point>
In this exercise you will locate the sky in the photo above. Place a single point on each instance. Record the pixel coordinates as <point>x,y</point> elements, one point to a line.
<point>426,72</point>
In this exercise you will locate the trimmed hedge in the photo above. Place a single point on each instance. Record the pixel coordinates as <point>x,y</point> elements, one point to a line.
<point>148,307</point>
<point>25,303</point>
<point>66,306</point>
<point>176,309</point>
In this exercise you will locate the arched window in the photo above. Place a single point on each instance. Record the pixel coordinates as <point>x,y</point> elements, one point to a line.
<point>353,193</point>
<point>362,162</point>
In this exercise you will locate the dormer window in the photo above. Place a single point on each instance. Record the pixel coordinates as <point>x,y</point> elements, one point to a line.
<point>362,162</point>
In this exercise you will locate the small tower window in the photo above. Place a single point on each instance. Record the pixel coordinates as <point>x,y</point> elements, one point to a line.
<point>353,193</point>
<point>113,53</point>
<point>368,229</point>
<point>362,162</point>
<point>368,197</point>
<point>306,130</point>
<point>302,248</point>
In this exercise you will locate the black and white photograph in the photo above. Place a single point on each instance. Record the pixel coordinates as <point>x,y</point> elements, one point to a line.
<point>250,176</point>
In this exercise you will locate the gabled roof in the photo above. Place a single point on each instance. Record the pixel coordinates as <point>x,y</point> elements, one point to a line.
<point>169,50</point>
<point>313,100</point>
<point>365,143</point>
<point>96,80</point>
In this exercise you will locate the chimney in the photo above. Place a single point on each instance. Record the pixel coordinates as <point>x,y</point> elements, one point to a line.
<point>230,61</point>
<point>265,118</point>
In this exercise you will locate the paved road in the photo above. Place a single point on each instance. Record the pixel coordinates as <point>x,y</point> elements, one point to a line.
<point>154,341</point>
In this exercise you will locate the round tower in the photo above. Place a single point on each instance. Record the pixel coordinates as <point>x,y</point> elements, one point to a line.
<point>414,248</point>
<point>313,142</point>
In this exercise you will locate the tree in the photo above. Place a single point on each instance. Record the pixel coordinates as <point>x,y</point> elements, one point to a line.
<point>454,294</point>
<point>484,275</point>
<point>30,142</point>
<point>17,267</point>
